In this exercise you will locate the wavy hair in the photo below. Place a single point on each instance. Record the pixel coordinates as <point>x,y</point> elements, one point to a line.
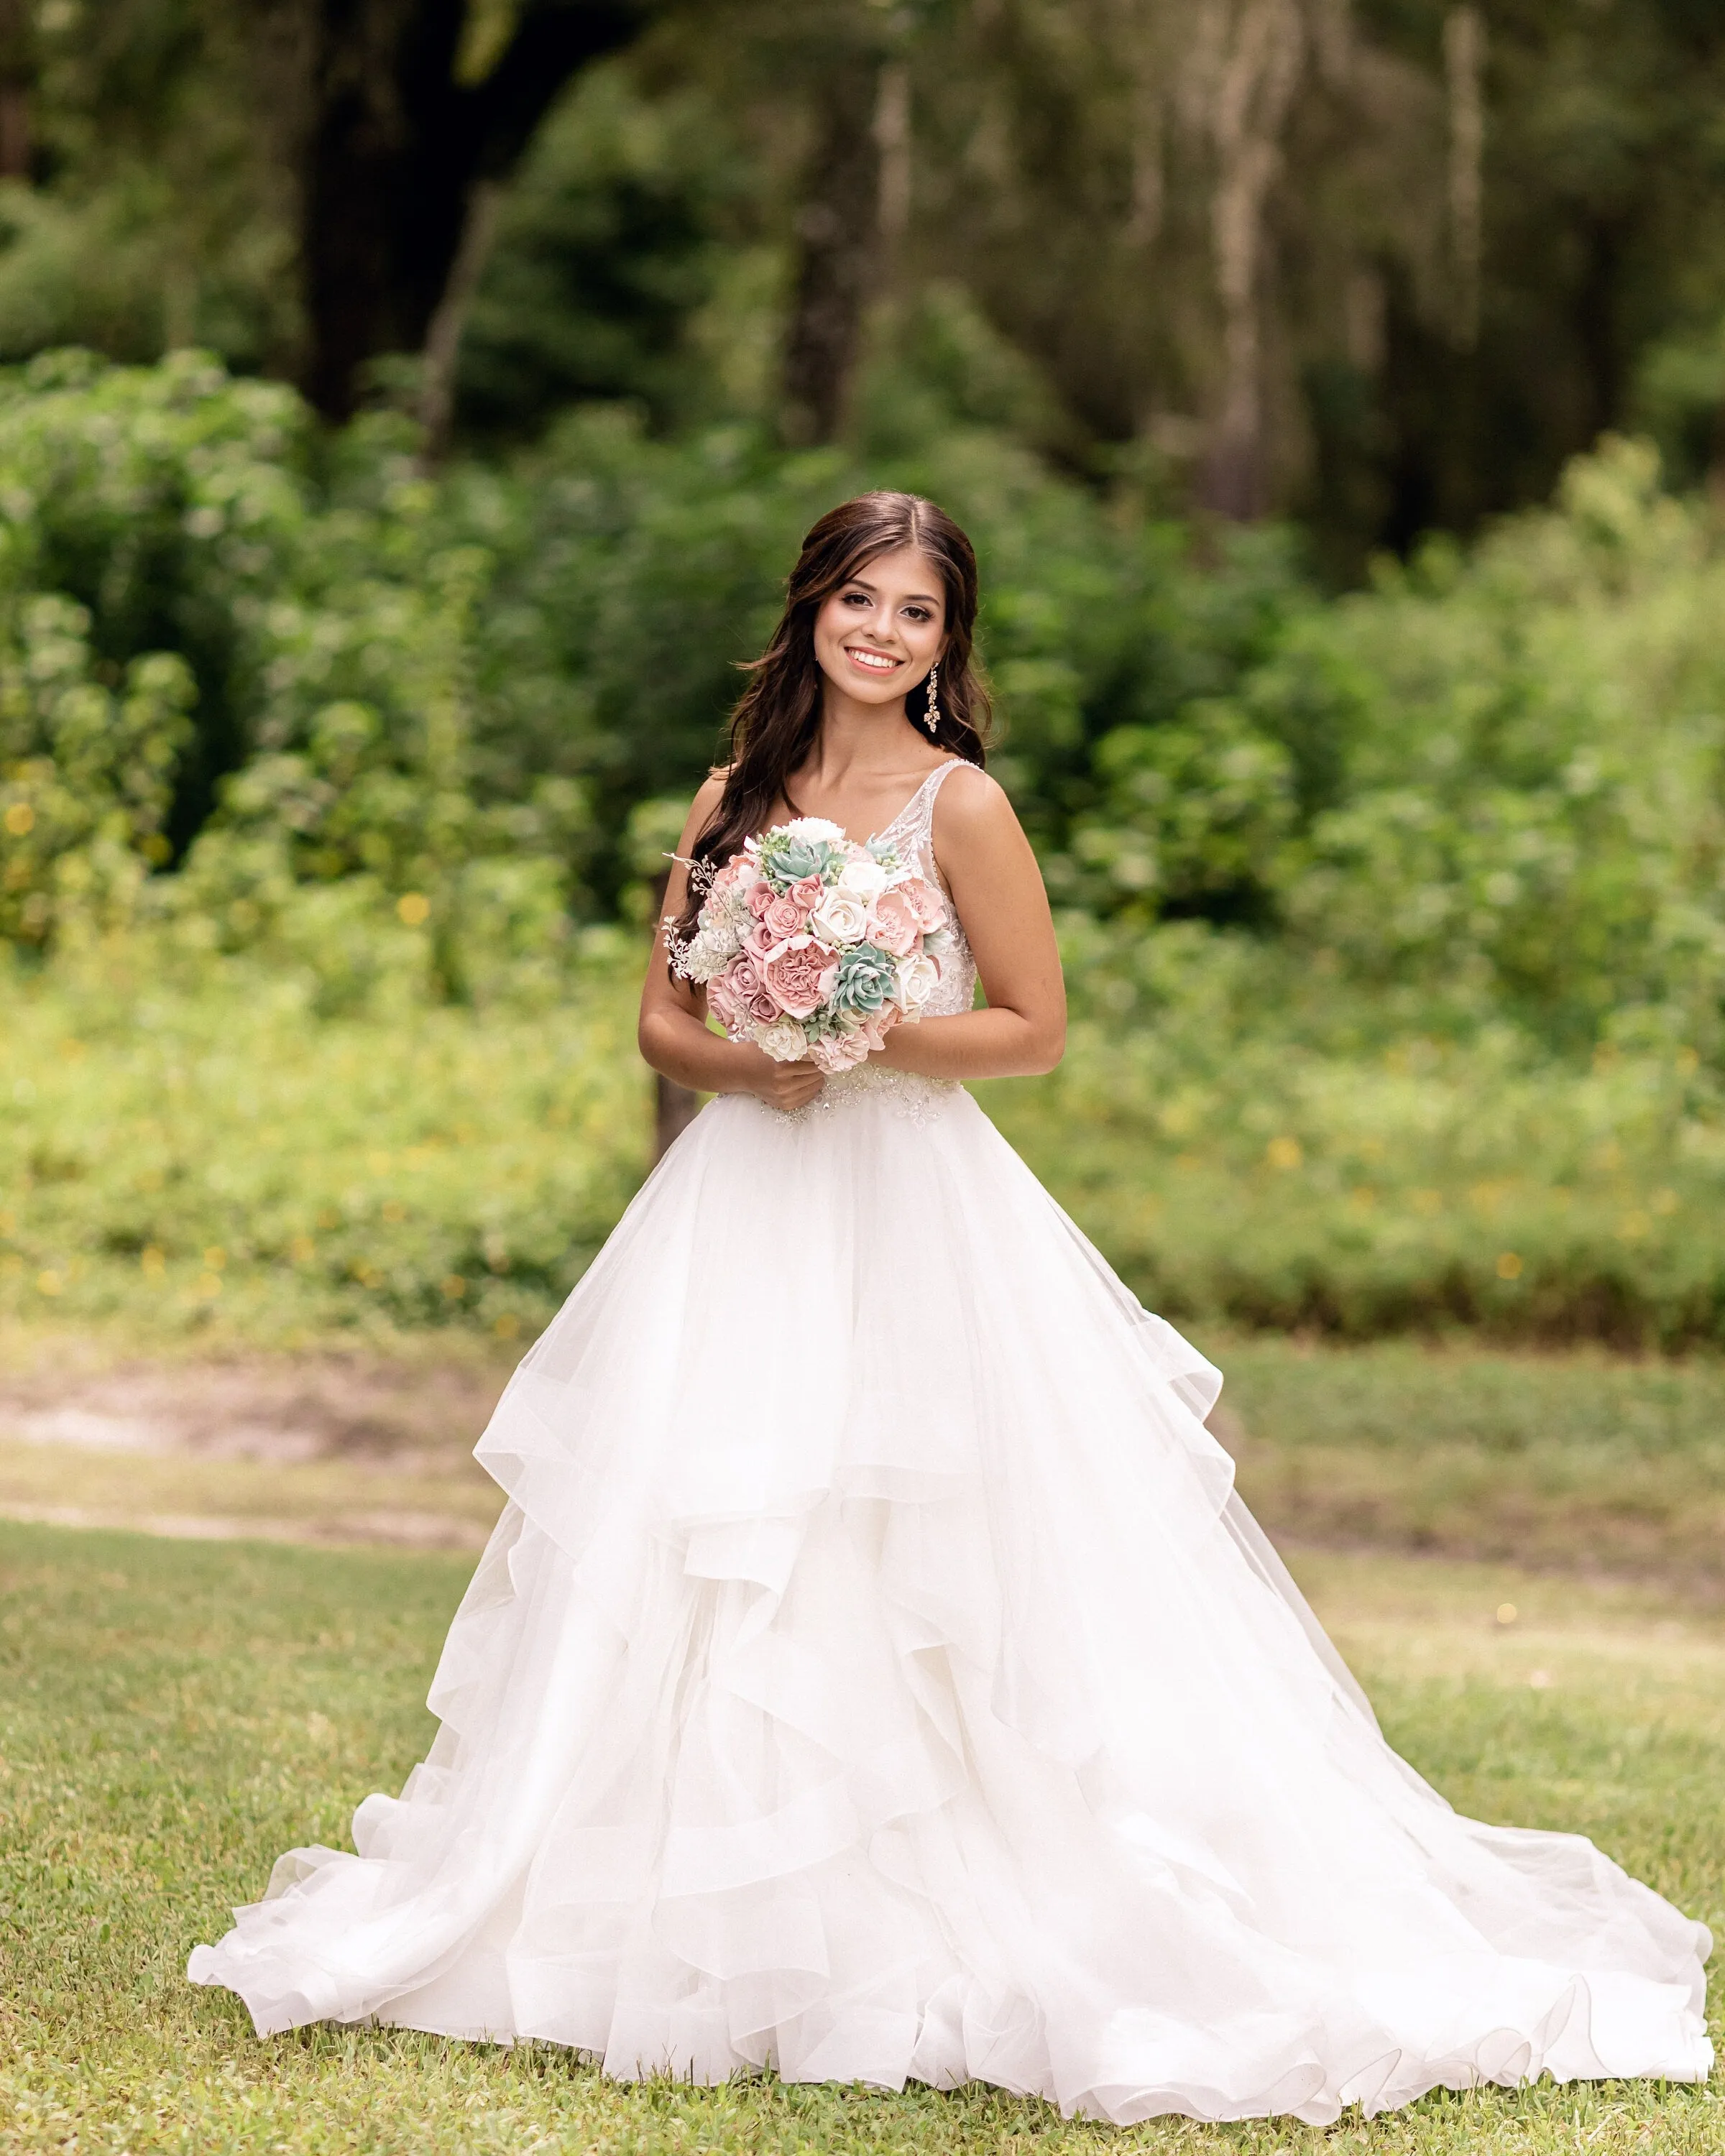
<point>776,721</point>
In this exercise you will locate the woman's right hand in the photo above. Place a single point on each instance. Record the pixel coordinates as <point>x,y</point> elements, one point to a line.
<point>782,1086</point>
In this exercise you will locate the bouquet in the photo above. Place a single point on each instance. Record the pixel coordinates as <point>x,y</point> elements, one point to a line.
<point>810,946</point>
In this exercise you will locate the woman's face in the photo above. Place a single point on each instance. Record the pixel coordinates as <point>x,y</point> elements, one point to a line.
<point>878,635</point>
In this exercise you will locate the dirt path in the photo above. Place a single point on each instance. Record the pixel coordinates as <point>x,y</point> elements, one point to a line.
<point>324,1448</point>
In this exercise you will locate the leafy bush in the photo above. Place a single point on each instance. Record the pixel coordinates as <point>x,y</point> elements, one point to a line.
<point>635,576</point>
<point>185,595</point>
<point>85,771</point>
<point>1530,816</point>
<point>190,1147</point>
<point>253,1144</point>
<point>1252,1138</point>
<point>166,502</point>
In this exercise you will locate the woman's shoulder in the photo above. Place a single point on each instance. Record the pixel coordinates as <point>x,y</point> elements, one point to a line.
<point>969,798</point>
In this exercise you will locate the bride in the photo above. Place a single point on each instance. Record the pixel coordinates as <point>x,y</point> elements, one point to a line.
<point>873,1675</point>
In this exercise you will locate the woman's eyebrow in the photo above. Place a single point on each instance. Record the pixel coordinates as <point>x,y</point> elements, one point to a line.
<point>862,584</point>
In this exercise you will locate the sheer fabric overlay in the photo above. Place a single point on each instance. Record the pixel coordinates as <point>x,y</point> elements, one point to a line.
<point>873,1675</point>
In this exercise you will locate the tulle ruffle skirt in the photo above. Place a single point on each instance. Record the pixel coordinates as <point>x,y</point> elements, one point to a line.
<point>873,1676</point>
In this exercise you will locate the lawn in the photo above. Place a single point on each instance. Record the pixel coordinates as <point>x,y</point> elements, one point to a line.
<point>172,1715</point>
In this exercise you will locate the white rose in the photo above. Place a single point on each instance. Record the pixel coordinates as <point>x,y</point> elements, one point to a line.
<point>782,1040</point>
<point>709,953</point>
<point>841,918</point>
<point>867,880</point>
<point>917,979</point>
<point>811,827</point>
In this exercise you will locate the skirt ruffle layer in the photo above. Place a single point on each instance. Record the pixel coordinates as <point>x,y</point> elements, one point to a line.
<point>874,1675</point>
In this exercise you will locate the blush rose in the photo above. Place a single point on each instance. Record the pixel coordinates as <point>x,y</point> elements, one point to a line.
<point>893,926</point>
<point>723,1001</point>
<point>924,900</point>
<point>783,918</point>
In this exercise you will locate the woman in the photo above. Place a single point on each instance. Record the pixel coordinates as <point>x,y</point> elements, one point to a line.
<point>873,1674</point>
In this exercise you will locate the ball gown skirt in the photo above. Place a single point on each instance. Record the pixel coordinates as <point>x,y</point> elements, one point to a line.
<point>874,1675</point>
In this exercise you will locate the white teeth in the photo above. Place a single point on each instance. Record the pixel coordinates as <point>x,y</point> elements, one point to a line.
<point>880,665</point>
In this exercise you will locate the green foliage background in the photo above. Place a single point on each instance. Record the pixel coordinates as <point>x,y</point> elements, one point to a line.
<point>1394,922</point>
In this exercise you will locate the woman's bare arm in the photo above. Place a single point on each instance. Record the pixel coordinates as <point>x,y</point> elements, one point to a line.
<point>673,1032</point>
<point>996,888</point>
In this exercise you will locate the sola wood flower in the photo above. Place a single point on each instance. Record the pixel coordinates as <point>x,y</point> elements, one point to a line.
<point>813,947</point>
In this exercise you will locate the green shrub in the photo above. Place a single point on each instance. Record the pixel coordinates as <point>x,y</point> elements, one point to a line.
<point>1251,1138</point>
<point>182,596</point>
<point>1530,817</point>
<point>85,771</point>
<point>191,1145</point>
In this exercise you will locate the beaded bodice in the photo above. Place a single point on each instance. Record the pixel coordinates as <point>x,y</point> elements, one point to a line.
<point>919,1099</point>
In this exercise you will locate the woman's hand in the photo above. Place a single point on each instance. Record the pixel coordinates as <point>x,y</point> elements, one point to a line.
<point>783,1085</point>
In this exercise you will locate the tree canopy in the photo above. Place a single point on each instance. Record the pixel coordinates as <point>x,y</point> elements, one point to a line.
<point>1382,267</point>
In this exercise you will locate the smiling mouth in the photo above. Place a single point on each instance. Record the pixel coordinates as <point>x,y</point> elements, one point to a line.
<point>875,662</point>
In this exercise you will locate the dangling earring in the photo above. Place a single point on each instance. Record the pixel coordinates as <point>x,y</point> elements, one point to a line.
<point>931,716</point>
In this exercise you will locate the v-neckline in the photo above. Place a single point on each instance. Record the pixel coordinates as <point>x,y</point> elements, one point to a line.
<point>875,837</point>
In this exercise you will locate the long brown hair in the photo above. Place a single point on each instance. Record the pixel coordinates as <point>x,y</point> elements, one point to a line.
<point>778,717</point>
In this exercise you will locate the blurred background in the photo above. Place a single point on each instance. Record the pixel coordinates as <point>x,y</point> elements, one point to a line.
<point>408,412</point>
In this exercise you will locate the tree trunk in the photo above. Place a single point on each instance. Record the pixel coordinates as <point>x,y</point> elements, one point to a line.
<point>18,78</point>
<point>390,142</point>
<point>1254,88</point>
<point>838,245</point>
<point>1464,66</point>
<point>443,339</point>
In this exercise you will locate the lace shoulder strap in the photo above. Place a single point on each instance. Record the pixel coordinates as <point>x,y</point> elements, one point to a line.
<point>913,827</point>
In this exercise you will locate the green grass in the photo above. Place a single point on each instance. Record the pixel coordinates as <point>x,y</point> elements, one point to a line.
<point>173,1715</point>
<point>1562,1461</point>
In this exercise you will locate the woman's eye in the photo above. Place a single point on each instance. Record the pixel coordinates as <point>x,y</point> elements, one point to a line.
<point>856,598</point>
<point>918,613</point>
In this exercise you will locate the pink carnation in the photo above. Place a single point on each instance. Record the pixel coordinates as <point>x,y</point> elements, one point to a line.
<point>800,976</point>
<point>837,1051</point>
<point>924,900</point>
<point>894,926</point>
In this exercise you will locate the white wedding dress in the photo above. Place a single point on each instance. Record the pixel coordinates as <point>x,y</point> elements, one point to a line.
<point>873,1676</point>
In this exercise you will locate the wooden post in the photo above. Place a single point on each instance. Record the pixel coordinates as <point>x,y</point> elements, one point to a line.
<point>674,1106</point>
<point>673,1109</point>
